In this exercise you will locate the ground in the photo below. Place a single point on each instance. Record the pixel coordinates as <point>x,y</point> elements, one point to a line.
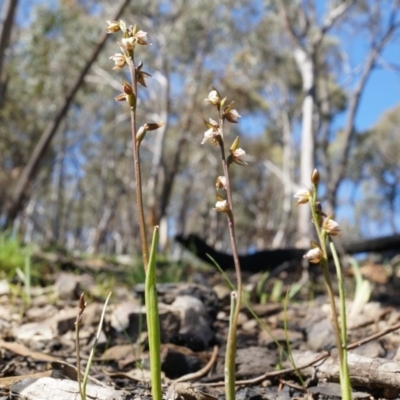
<point>38,337</point>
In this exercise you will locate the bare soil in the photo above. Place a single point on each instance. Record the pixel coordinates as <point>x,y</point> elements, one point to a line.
<point>284,349</point>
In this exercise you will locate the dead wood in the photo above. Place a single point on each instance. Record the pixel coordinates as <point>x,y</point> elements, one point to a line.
<point>62,389</point>
<point>365,372</point>
<point>270,259</point>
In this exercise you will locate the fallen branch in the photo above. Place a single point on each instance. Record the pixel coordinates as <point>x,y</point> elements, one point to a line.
<point>270,259</point>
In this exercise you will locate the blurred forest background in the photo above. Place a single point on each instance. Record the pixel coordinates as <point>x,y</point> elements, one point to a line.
<point>298,71</point>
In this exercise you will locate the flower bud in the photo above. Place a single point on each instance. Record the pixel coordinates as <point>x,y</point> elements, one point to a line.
<point>303,196</point>
<point>236,153</point>
<point>331,227</point>
<point>222,206</point>
<point>113,26</point>
<point>82,303</point>
<point>236,157</point>
<point>221,183</point>
<point>315,177</point>
<point>229,114</point>
<point>151,126</point>
<point>141,133</point>
<point>141,38</point>
<point>232,116</point>
<point>213,98</point>
<point>213,134</point>
<point>128,43</point>
<point>119,60</point>
<point>314,255</point>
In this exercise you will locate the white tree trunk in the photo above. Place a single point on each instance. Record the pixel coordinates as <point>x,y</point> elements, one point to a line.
<point>288,187</point>
<point>305,65</point>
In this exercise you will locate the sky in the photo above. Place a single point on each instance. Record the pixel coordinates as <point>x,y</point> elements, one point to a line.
<point>382,91</point>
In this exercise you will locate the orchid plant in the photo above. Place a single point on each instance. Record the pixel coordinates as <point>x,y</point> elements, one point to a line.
<point>215,135</point>
<point>132,37</point>
<point>326,228</point>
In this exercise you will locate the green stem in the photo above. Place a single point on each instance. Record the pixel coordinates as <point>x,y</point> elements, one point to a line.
<point>230,354</point>
<point>345,374</point>
<point>335,317</point>
<point>153,322</point>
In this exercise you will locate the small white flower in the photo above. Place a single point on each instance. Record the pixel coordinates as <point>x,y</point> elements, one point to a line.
<point>141,38</point>
<point>119,60</point>
<point>213,98</point>
<point>221,182</point>
<point>113,26</point>
<point>128,43</point>
<point>210,136</point>
<point>303,196</point>
<point>314,255</point>
<point>238,153</point>
<point>222,206</point>
<point>232,116</point>
<point>331,227</point>
<point>237,156</point>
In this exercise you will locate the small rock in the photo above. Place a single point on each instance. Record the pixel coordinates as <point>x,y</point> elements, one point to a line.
<point>196,327</point>
<point>66,286</point>
<point>4,287</point>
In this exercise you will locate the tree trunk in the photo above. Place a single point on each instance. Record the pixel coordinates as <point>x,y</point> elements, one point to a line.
<point>157,162</point>
<point>109,211</point>
<point>340,161</point>
<point>287,172</point>
<point>305,64</point>
<point>6,25</point>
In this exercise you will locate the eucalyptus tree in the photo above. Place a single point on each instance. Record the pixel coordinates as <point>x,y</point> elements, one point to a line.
<point>375,168</point>
<point>319,38</point>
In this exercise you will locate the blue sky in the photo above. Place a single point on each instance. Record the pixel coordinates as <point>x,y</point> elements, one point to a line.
<point>382,91</point>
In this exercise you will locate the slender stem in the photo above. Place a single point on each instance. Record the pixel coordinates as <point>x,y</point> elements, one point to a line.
<point>78,359</point>
<point>341,292</point>
<point>335,317</point>
<point>345,375</point>
<point>231,225</point>
<point>136,163</point>
<point>236,297</point>
<point>93,349</point>
<point>153,320</point>
<point>231,355</point>
<point>81,385</point>
<point>328,282</point>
